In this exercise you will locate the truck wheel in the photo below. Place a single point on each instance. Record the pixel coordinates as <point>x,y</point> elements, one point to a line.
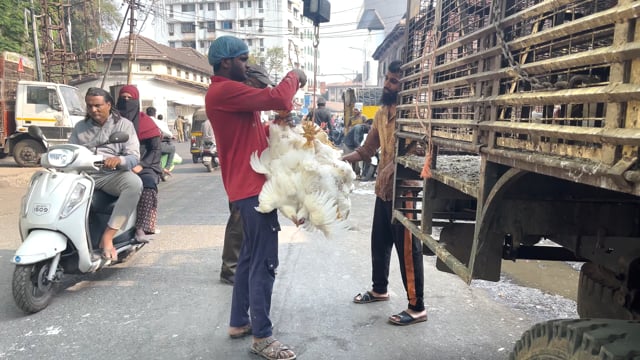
<point>32,291</point>
<point>584,339</point>
<point>601,295</point>
<point>27,152</point>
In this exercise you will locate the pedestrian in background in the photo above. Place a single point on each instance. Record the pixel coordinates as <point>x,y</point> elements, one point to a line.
<point>234,111</point>
<point>384,233</point>
<point>353,140</point>
<point>179,127</point>
<point>257,77</point>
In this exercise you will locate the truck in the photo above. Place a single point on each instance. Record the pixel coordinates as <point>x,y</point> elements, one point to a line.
<point>529,115</point>
<point>55,108</point>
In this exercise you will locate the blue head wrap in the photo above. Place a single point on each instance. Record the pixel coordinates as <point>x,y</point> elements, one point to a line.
<point>226,47</point>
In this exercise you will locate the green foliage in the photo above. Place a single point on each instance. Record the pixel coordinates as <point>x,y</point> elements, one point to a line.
<point>13,36</point>
<point>274,61</point>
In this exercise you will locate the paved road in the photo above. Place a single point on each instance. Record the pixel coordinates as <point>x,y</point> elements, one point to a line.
<point>167,302</point>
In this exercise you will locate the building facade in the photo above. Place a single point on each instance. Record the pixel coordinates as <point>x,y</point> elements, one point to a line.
<point>262,24</point>
<point>174,81</point>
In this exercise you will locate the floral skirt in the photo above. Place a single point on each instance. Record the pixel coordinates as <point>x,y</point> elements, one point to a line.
<point>147,211</point>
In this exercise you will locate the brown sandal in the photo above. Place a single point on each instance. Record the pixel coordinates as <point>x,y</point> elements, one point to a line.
<point>272,349</point>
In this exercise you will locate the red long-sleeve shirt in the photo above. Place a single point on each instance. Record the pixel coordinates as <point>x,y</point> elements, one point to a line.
<point>234,111</point>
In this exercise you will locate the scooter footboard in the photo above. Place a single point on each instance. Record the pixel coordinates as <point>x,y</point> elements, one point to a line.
<point>39,245</point>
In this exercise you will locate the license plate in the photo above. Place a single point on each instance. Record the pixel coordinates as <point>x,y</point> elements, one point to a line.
<point>206,158</point>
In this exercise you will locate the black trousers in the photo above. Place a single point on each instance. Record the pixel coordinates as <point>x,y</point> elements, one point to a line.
<point>384,236</point>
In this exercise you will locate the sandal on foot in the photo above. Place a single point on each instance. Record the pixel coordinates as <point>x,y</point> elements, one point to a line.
<point>244,331</point>
<point>404,318</point>
<point>272,349</point>
<point>110,254</point>
<point>368,297</point>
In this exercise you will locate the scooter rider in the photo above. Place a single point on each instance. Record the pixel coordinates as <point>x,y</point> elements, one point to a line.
<point>167,147</point>
<point>116,177</point>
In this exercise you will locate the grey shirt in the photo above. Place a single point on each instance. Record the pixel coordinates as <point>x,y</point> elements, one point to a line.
<point>89,133</point>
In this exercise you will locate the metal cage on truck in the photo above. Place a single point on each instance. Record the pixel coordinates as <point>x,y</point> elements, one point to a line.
<point>530,114</point>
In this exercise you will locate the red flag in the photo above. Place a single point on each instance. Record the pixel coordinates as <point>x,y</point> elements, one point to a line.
<point>20,66</point>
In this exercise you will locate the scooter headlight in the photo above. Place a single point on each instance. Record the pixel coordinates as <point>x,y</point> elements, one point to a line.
<point>73,200</point>
<point>60,157</point>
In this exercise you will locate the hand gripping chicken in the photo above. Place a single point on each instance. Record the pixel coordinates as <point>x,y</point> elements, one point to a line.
<point>306,180</point>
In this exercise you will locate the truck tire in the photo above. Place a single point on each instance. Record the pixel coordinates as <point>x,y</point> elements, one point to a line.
<point>579,339</point>
<point>27,152</point>
<point>600,295</point>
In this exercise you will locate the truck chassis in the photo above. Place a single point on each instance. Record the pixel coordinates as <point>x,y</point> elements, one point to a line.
<point>529,111</point>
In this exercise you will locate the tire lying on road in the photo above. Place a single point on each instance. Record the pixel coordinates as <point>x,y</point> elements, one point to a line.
<point>583,339</point>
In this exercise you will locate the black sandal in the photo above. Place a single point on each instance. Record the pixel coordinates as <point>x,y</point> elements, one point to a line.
<point>368,297</point>
<point>404,318</point>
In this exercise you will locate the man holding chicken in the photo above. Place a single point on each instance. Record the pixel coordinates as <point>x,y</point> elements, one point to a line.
<point>234,111</point>
<point>384,234</point>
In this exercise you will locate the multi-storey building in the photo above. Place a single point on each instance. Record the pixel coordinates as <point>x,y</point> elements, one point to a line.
<point>262,24</point>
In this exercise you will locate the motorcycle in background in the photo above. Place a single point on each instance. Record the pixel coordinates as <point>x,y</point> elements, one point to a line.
<point>210,155</point>
<point>62,218</point>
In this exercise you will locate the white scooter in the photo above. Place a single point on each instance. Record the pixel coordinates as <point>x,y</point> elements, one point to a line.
<point>61,223</point>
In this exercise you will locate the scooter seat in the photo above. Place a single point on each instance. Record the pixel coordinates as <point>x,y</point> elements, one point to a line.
<point>102,202</point>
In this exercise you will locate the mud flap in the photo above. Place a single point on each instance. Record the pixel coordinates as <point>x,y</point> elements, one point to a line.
<point>458,240</point>
<point>38,246</point>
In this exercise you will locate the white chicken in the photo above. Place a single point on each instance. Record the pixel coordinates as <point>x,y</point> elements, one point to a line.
<point>306,180</point>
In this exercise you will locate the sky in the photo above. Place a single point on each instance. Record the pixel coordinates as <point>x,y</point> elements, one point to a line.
<point>338,61</point>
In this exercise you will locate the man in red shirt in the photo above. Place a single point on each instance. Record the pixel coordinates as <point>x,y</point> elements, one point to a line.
<point>234,111</point>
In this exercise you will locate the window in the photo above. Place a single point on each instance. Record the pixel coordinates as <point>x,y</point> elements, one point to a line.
<point>227,25</point>
<point>186,28</point>
<point>145,66</point>
<point>171,27</point>
<point>179,73</point>
<point>201,7</point>
<point>211,26</point>
<point>260,6</point>
<point>116,66</point>
<point>39,95</point>
<point>260,22</point>
<point>186,75</point>
<point>169,70</point>
<point>249,42</point>
<point>225,5</point>
<point>241,23</point>
<point>188,7</point>
<point>170,11</point>
<point>211,6</point>
<point>249,3</point>
<point>241,4</point>
<point>191,44</point>
<point>249,23</point>
<point>172,44</point>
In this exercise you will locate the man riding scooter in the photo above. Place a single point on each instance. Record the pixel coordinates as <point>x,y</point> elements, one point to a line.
<point>116,178</point>
<point>167,147</point>
<point>209,151</point>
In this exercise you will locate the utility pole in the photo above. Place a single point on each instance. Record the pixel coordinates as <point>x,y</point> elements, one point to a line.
<point>36,47</point>
<point>132,29</point>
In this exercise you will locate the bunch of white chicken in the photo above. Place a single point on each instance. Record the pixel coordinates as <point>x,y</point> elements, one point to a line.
<point>306,180</point>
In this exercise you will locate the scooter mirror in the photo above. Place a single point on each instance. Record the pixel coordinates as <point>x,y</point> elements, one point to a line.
<point>118,137</point>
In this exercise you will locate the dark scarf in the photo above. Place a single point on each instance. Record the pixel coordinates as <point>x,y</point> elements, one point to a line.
<point>130,109</point>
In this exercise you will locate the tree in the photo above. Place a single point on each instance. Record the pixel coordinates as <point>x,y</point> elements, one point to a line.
<point>13,36</point>
<point>273,62</point>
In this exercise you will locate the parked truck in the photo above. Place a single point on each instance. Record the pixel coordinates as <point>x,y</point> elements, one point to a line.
<point>529,114</point>
<point>55,108</point>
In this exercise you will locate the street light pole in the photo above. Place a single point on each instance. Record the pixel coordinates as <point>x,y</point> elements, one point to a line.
<point>364,62</point>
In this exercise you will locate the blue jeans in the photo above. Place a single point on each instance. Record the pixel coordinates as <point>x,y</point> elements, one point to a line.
<point>255,273</point>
